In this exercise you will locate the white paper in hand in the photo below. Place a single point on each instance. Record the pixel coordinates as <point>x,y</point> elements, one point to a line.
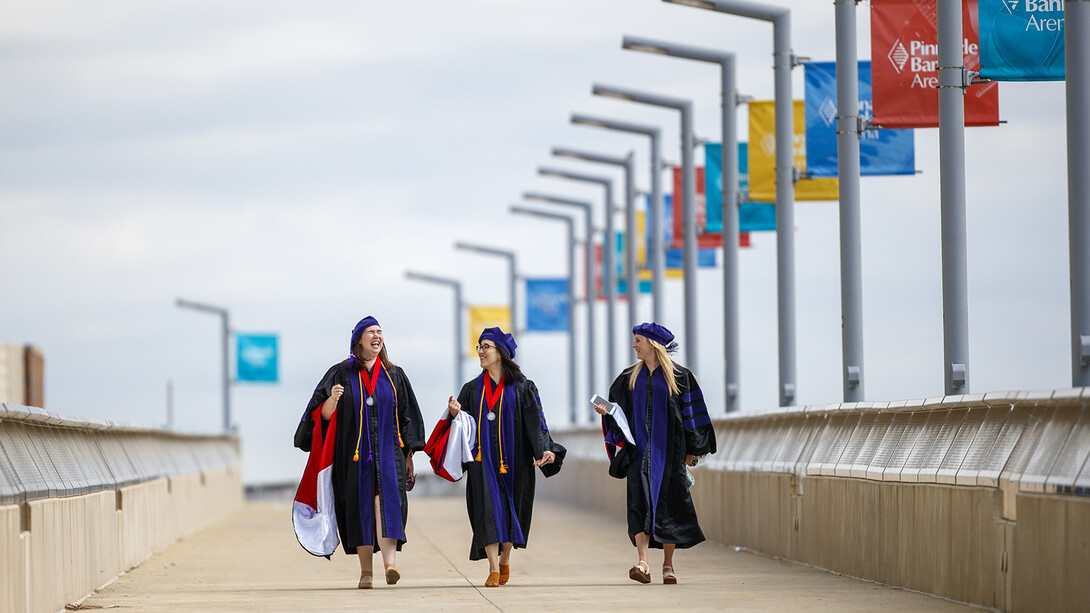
<point>617,414</point>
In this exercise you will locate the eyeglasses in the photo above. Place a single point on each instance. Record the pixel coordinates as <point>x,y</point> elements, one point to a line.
<point>481,348</point>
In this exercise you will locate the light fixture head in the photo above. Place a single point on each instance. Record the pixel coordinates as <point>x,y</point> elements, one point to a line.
<point>700,4</point>
<point>609,93</point>
<point>645,47</point>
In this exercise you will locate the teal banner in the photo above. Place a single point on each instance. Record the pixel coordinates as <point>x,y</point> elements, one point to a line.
<point>257,357</point>
<point>752,216</point>
<point>1021,40</point>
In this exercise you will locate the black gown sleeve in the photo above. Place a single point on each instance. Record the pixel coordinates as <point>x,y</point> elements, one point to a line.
<point>411,423</point>
<point>304,432</point>
<point>540,431</point>
<point>699,434</point>
<point>618,393</point>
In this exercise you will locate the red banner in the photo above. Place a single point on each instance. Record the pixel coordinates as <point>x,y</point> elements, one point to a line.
<point>904,66</point>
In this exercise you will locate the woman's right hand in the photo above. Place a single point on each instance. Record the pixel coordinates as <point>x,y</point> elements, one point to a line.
<point>601,409</point>
<point>330,403</point>
<point>453,406</point>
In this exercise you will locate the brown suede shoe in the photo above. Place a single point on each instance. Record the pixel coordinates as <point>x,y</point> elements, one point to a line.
<point>493,580</point>
<point>505,573</point>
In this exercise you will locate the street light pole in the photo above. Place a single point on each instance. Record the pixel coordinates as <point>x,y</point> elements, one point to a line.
<point>688,208</point>
<point>783,61</point>
<point>657,257</point>
<point>225,336</point>
<point>955,295</point>
<point>459,376</point>
<point>572,406</point>
<point>1077,56</point>
<point>729,170</point>
<point>512,275</point>
<point>592,378</point>
<point>609,272</point>
<point>631,274</point>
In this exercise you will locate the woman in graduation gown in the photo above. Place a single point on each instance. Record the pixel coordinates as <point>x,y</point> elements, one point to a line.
<point>512,439</point>
<point>665,410</point>
<point>378,427</point>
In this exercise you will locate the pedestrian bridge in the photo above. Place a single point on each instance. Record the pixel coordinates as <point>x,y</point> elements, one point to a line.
<point>967,499</point>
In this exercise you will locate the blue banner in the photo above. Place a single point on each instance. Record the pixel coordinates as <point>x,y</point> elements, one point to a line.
<point>757,217</point>
<point>546,305</point>
<point>881,152</point>
<point>675,258</point>
<point>713,187</point>
<point>1021,40</point>
<point>257,357</point>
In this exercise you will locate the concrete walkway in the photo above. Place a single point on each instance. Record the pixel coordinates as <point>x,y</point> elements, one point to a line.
<point>577,561</point>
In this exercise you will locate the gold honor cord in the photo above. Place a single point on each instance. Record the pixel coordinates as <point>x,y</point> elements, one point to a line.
<point>397,421</point>
<point>356,456</point>
<point>480,414</point>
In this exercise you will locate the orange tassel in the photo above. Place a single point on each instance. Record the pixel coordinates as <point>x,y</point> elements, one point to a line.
<point>503,469</point>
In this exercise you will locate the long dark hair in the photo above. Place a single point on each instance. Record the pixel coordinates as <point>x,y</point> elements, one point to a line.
<point>357,351</point>
<point>511,370</point>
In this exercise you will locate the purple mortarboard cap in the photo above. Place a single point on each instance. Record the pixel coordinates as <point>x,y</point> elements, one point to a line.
<point>357,332</point>
<point>502,339</point>
<point>655,332</point>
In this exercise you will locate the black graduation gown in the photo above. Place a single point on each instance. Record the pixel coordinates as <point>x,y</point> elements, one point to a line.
<point>346,496</point>
<point>688,430</point>
<point>531,440</point>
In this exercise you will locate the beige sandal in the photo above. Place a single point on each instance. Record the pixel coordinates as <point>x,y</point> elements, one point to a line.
<point>668,576</point>
<point>392,575</point>
<point>640,572</point>
<point>367,581</point>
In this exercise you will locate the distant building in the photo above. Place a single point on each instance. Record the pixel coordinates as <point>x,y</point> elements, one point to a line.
<point>22,375</point>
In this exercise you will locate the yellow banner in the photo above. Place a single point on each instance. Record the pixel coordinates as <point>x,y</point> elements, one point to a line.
<point>762,156</point>
<point>644,267</point>
<point>481,317</point>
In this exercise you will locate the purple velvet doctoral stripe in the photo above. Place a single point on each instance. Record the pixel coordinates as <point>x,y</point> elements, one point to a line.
<point>659,422</point>
<point>689,397</point>
<point>389,487</point>
<point>696,422</point>
<point>613,438</point>
<point>693,410</point>
<point>541,410</point>
<point>389,490</point>
<point>503,507</point>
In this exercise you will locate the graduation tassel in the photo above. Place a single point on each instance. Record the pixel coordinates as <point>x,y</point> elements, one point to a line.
<point>503,463</point>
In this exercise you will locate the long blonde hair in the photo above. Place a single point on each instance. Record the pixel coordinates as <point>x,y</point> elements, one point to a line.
<point>665,363</point>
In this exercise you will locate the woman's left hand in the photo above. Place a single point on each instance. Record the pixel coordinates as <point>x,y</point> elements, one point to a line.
<point>409,465</point>
<point>546,458</point>
<point>690,459</point>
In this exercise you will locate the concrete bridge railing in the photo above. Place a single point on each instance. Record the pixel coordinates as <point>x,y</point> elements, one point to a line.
<point>980,499</point>
<point>82,501</point>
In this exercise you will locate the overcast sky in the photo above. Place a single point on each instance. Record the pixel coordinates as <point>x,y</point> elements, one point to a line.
<point>290,161</point>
